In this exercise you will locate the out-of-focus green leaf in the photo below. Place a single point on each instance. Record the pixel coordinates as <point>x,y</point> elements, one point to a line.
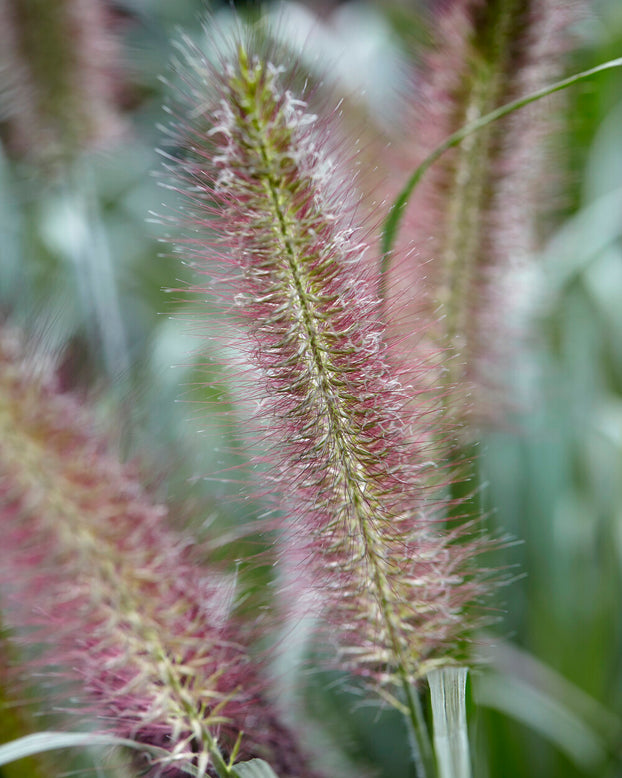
<point>254,768</point>
<point>39,742</point>
<point>544,714</point>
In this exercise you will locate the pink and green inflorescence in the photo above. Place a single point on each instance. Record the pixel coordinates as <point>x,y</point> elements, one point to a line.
<point>274,228</point>
<point>112,606</point>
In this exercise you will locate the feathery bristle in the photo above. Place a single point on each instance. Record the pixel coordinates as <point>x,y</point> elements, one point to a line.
<point>59,70</point>
<point>271,210</point>
<point>113,599</point>
<point>473,221</point>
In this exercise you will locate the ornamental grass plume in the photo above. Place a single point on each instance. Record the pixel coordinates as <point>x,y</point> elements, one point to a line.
<point>59,77</point>
<point>108,604</point>
<point>473,222</point>
<point>274,228</point>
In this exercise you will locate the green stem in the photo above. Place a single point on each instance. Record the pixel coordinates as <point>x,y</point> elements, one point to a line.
<point>392,222</point>
<point>351,473</point>
<point>221,767</point>
<point>418,730</point>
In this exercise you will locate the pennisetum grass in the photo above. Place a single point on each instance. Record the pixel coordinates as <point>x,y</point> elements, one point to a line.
<point>61,85</point>
<point>474,221</point>
<point>110,604</point>
<point>275,229</point>
<point>105,601</point>
<point>59,78</point>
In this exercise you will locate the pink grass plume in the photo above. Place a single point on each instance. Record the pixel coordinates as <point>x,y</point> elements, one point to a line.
<point>272,224</point>
<point>110,606</point>
<point>476,218</point>
<point>60,77</point>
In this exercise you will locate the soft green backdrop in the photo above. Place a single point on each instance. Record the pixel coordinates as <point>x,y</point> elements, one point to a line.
<point>82,267</point>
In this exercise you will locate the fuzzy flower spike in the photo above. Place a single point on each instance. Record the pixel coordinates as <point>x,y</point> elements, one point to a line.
<point>60,80</point>
<point>475,219</point>
<point>349,442</point>
<point>106,598</point>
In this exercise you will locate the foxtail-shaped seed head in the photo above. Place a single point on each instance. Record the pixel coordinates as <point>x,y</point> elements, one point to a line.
<point>274,227</point>
<point>59,77</point>
<point>475,219</point>
<point>104,597</point>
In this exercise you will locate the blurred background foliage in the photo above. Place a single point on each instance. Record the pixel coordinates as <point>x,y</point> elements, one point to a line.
<point>84,271</point>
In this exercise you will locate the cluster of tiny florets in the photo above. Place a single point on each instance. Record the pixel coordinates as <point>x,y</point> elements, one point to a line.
<point>60,76</point>
<point>350,443</point>
<point>472,222</point>
<point>116,602</point>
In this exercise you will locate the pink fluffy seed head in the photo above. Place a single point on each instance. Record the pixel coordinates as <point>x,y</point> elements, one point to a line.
<point>60,74</point>
<point>475,219</point>
<point>108,603</point>
<point>272,214</point>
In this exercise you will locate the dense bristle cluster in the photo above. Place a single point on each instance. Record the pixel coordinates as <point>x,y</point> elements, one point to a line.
<point>113,598</point>
<point>473,221</point>
<point>59,74</point>
<point>350,444</point>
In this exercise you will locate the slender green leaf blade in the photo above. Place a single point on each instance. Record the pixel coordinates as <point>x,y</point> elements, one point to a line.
<point>254,768</point>
<point>545,714</point>
<point>451,740</point>
<point>394,218</point>
<point>39,742</point>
